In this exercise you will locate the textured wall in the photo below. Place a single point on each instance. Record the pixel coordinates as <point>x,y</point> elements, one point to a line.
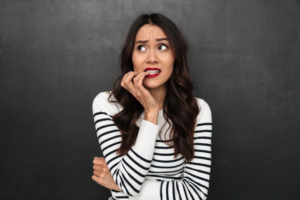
<point>55,56</point>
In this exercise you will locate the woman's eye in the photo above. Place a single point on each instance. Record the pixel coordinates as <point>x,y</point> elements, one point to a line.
<point>141,48</point>
<point>162,47</point>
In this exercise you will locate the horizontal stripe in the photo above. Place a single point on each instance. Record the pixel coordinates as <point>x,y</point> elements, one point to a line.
<point>113,144</point>
<point>198,177</point>
<point>105,126</point>
<point>101,120</point>
<point>168,177</point>
<point>101,113</point>
<point>155,166</point>
<point>138,182</point>
<point>163,141</point>
<point>113,160</point>
<point>201,131</point>
<point>200,157</point>
<point>117,136</point>
<point>199,138</point>
<point>203,151</point>
<point>204,124</point>
<point>197,170</point>
<point>164,154</point>
<point>168,172</point>
<point>157,147</point>
<point>143,159</point>
<point>179,179</point>
<point>199,164</point>
<point>135,162</point>
<point>202,144</point>
<point>106,133</point>
<point>167,161</point>
<point>138,173</point>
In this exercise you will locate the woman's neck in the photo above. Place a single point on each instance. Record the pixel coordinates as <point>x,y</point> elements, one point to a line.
<point>159,95</point>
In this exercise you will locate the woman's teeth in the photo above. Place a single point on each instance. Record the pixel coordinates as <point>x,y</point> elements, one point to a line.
<point>153,71</point>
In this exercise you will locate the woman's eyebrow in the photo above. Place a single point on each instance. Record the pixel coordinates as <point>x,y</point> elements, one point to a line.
<point>145,41</point>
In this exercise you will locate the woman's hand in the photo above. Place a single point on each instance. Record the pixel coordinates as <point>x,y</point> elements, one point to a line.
<point>102,174</point>
<point>133,82</point>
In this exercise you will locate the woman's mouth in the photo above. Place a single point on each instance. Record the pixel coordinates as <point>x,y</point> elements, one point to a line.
<point>153,72</point>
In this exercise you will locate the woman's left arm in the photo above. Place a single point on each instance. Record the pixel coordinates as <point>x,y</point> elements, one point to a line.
<point>195,181</point>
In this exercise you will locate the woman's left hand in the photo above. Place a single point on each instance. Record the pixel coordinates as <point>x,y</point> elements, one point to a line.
<point>102,174</point>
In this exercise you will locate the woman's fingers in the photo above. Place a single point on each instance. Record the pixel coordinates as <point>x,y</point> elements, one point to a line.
<point>138,83</point>
<point>99,167</point>
<point>102,175</point>
<point>99,161</point>
<point>98,180</point>
<point>127,82</point>
<point>96,173</point>
<point>133,82</point>
<point>100,170</point>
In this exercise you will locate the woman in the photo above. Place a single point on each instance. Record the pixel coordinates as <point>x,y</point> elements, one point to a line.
<point>154,134</point>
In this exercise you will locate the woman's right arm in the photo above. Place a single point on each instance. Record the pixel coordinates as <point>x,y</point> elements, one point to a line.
<point>128,171</point>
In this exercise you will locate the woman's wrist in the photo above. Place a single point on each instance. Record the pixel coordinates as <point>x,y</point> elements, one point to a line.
<point>151,116</point>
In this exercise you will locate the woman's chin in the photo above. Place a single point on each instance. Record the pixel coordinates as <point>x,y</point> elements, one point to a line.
<point>152,86</point>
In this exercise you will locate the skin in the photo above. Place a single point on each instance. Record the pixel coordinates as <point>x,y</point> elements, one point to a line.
<point>151,50</point>
<point>102,175</point>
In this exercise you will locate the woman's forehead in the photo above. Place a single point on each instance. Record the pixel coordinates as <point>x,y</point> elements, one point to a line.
<point>149,31</point>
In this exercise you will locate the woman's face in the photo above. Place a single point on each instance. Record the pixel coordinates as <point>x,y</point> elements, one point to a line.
<point>152,52</point>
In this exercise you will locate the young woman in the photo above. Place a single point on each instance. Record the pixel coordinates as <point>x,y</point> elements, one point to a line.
<point>154,134</point>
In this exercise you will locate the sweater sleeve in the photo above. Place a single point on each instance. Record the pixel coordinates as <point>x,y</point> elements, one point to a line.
<point>195,181</point>
<point>128,171</point>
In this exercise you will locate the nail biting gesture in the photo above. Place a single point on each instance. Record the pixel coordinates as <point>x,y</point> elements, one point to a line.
<point>133,82</point>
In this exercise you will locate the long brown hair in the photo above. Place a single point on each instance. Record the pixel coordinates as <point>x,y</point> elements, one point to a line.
<point>180,107</point>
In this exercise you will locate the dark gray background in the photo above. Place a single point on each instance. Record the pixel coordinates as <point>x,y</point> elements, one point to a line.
<point>56,56</point>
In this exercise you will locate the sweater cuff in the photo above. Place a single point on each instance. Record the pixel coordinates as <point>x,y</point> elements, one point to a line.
<point>146,139</point>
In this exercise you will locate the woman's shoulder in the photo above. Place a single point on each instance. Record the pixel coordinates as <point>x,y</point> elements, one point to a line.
<point>205,111</point>
<point>104,103</point>
<point>201,102</point>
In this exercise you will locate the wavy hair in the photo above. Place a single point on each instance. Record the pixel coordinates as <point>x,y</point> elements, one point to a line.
<point>180,108</point>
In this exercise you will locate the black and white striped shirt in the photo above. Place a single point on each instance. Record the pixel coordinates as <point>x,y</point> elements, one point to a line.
<point>149,170</point>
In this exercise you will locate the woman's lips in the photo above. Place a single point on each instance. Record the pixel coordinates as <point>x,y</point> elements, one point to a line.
<point>152,75</point>
<point>154,72</point>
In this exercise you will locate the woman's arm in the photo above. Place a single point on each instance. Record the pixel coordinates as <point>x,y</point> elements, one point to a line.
<point>195,181</point>
<point>128,171</point>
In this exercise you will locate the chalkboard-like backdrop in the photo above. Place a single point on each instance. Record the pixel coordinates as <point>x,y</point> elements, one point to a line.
<point>56,56</point>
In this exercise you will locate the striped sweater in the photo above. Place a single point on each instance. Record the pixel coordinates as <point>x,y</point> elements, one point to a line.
<point>149,170</point>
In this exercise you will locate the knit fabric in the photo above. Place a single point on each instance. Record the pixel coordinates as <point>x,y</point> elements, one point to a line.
<point>149,170</point>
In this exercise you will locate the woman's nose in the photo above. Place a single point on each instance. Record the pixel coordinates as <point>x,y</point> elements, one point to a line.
<point>152,57</point>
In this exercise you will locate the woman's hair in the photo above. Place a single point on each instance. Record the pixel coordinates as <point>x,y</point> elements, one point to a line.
<point>180,108</point>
